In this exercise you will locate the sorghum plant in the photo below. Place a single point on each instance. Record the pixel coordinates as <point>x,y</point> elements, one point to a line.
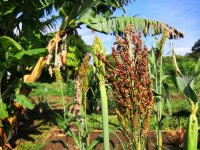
<point>132,87</point>
<point>83,75</point>
<point>99,69</point>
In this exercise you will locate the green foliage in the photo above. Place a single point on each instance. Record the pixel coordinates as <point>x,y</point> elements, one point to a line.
<point>186,65</point>
<point>12,58</point>
<point>26,21</point>
<point>117,25</point>
<point>157,73</point>
<point>53,89</point>
<point>195,50</point>
<point>93,94</point>
<point>13,54</point>
<point>65,124</point>
<point>3,110</point>
<point>96,14</point>
<point>76,51</point>
<point>23,100</point>
<point>191,138</point>
<point>79,11</point>
<point>99,69</point>
<point>186,86</point>
<point>95,122</point>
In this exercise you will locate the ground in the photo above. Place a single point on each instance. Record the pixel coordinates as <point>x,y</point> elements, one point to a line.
<point>38,126</point>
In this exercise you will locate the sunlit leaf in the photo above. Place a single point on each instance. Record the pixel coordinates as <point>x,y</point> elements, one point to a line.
<point>31,52</point>
<point>186,85</point>
<point>10,45</point>
<point>145,26</point>
<point>3,111</point>
<point>95,142</point>
<point>24,101</point>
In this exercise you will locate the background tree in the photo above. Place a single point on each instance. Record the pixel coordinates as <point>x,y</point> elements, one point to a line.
<point>196,47</point>
<point>195,50</point>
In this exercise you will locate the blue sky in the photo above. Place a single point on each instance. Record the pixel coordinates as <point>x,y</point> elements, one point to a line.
<point>183,15</point>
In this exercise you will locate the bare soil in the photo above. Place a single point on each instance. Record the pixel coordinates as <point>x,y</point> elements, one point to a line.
<point>169,142</point>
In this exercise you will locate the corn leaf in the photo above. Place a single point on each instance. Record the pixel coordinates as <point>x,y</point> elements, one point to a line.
<point>186,86</point>
<point>168,98</point>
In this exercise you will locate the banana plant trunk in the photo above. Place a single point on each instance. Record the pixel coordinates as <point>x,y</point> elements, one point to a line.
<point>35,74</point>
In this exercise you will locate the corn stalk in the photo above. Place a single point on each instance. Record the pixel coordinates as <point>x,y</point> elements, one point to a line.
<point>156,73</point>
<point>186,86</point>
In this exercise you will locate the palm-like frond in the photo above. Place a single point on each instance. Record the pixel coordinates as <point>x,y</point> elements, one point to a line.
<point>96,14</point>
<point>30,14</point>
<point>115,25</point>
<point>76,9</point>
<point>49,24</point>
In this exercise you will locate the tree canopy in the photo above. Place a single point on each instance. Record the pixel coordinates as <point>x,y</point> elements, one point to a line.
<point>196,47</point>
<point>195,50</point>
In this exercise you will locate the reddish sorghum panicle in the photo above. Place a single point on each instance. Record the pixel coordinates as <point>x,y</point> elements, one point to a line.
<point>130,81</point>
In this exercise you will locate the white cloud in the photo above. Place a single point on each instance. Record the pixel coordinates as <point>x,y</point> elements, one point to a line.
<point>182,50</point>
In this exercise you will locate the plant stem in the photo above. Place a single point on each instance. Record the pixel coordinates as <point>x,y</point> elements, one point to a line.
<point>159,130</point>
<point>158,73</point>
<point>1,77</point>
<point>159,114</point>
<point>63,99</point>
<point>84,121</point>
<point>104,105</point>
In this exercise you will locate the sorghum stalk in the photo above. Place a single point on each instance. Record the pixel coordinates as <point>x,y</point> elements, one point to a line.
<point>100,70</point>
<point>59,79</point>
<point>83,74</point>
<point>159,90</point>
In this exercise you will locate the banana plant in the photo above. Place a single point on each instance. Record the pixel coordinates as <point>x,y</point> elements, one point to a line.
<point>186,86</point>
<point>96,15</point>
<point>12,64</point>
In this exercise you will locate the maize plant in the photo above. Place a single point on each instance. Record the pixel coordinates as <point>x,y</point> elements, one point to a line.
<point>99,69</point>
<point>186,86</point>
<point>132,87</point>
<point>160,86</point>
